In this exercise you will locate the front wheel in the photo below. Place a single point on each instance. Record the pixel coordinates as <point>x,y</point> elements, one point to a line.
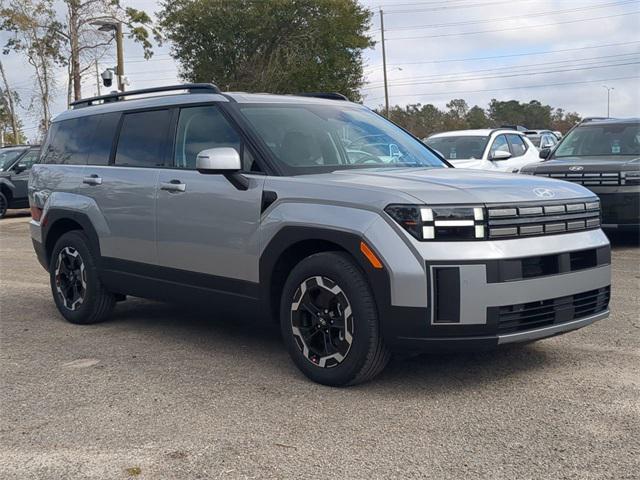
<point>329,321</point>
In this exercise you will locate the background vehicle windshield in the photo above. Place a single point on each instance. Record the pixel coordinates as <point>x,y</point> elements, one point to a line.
<point>458,148</point>
<point>601,140</point>
<point>7,157</point>
<point>323,138</point>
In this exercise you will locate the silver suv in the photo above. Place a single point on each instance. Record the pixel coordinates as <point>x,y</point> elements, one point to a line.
<point>314,211</point>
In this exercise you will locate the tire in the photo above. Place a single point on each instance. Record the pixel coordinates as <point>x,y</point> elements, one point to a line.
<point>77,291</point>
<point>4,205</point>
<point>344,346</point>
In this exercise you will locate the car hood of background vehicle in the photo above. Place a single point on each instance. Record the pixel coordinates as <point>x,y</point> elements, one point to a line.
<point>589,164</point>
<point>454,185</point>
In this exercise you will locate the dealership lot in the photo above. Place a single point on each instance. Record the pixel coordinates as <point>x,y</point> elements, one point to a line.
<point>162,391</point>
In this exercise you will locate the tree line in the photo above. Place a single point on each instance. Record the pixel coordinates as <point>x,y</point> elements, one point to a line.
<point>424,120</point>
<point>276,46</point>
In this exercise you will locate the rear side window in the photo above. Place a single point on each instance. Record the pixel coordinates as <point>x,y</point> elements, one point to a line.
<point>71,140</point>
<point>143,139</point>
<point>518,147</point>
<point>499,145</point>
<point>100,149</point>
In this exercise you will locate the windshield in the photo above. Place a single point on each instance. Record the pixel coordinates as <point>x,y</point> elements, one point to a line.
<point>322,138</point>
<point>601,140</point>
<point>459,147</point>
<point>8,156</point>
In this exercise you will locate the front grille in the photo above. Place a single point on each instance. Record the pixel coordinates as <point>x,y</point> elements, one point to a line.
<point>554,311</point>
<point>513,221</point>
<point>586,179</point>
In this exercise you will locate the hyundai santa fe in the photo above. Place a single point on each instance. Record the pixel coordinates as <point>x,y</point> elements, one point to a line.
<point>317,212</point>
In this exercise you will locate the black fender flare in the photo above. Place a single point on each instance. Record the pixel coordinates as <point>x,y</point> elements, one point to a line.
<point>5,182</point>
<point>290,236</point>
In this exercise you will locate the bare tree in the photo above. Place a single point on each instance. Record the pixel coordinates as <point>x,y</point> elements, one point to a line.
<point>8,97</point>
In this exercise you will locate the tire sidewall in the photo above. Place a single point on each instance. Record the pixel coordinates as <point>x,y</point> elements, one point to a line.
<point>79,242</point>
<point>365,329</point>
<point>4,205</point>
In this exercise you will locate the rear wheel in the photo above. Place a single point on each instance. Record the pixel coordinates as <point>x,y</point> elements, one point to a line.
<point>329,321</point>
<point>79,295</point>
<point>4,205</point>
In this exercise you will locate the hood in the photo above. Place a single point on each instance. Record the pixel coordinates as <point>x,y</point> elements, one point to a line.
<point>612,163</point>
<point>456,186</point>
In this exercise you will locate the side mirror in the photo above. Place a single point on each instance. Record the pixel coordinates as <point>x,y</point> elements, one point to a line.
<point>544,153</point>
<point>19,168</point>
<point>222,161</point>
<point>500,155</point>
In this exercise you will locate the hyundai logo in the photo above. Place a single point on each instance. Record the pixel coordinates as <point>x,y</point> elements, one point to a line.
<point>544,192</point>
<point>576,169</point>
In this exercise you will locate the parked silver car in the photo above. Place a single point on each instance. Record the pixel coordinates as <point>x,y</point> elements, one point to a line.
<point>317,212</point>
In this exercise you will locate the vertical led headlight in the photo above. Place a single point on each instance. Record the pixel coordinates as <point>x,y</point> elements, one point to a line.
<point>440,223</point>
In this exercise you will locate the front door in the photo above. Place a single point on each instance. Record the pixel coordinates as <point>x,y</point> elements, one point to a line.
<point>20,178</point>
<point>205,224</point>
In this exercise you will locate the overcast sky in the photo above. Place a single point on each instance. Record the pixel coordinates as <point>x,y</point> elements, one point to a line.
<point>560,52</point>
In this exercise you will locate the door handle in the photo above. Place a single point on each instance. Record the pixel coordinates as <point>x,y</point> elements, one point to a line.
<point>92,180</point>
<point>173,186</point>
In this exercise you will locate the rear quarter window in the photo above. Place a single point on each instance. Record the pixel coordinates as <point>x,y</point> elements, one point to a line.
<point>75,141</point>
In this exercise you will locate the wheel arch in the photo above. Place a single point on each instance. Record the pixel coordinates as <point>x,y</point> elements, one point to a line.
<point>60,221</point>
<point>7,187</point>
<point>292,244</point>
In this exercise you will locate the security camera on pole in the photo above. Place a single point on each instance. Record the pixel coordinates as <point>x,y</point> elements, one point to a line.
<point>114,26</point>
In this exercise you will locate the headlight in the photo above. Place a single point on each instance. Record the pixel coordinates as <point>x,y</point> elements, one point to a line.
<point>440,223</point>
<point>631,178</point>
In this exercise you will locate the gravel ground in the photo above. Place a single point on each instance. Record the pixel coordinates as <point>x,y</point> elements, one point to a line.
<point>159,392</point>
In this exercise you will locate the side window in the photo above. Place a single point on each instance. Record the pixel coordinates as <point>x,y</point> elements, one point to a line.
<point>30,159</point>
<point>100,148</point>
<point>201,128</point>
<point>499,144</point>
<point>143,139</point>
<point>518,147</point>
<point>71,140</point>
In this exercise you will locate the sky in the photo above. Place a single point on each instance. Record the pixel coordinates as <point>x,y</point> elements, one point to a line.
<point>560,52</point>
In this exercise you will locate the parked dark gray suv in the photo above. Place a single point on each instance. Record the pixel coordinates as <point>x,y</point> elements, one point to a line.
<point>314,211</point>
<point>15,165</point>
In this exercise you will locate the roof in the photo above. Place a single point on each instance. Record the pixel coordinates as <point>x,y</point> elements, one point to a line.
<point>167,96</point>
<point>608,121</point>
<point>482,132</point>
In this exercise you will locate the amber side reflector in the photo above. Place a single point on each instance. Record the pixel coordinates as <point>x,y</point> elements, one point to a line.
<point>36,213</point>
<point>373,260</point>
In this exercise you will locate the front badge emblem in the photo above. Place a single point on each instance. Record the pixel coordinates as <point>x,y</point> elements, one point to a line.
<point>544,192</point>
<point>577,168</point>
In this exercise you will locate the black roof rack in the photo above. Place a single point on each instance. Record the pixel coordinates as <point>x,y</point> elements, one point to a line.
<point>328,95</point>
<point>117,96</point>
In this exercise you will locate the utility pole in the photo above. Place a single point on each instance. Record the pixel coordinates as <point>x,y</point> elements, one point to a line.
<point>120,53</point>
<point>384,67</point>
<point>12,108</point>
<point>608,98</point>
<point>97,76</point>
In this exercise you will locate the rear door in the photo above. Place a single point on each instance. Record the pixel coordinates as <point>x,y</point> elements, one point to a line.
<point>122,181</point>
<point>205,224</point>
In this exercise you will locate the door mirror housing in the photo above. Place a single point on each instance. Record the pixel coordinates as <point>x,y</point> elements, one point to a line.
<point>218,160</point>
<point>223,161</point>
<point>500,155</point>
<point>20,167</point>
<point>544,153</point>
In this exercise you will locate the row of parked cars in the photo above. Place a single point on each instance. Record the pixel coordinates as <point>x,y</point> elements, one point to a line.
<point>601,154</point>
<point>317,213</point>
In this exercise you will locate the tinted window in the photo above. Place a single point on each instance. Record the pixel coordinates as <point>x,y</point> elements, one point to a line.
<point>100,148</point>
<point>601,140</point>
<point>518,147</point>
<point>30,158</point>
<point>8,156</point>
<point>72,140</point>
<point>499,145</point>
<point>456,148</point>
<point>143,138</point>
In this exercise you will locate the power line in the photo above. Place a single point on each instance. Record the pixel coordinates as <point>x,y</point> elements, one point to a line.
<point>518,17</point>
<point>451,7</point>
<point>510,88</point>
<point>513,28</point>
<point>510,75</point>
<point>518,67</point>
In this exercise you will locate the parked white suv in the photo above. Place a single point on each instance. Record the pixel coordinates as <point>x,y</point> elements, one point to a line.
<point>499,149</point>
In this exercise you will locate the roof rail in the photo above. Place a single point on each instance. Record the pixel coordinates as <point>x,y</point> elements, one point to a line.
<point>328,95</point>
<point>118,96</point>
<point>592,119</point>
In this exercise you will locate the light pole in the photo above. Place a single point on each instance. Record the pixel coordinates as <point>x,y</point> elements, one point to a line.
<point>608,98</point>
<point>115,26</point>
